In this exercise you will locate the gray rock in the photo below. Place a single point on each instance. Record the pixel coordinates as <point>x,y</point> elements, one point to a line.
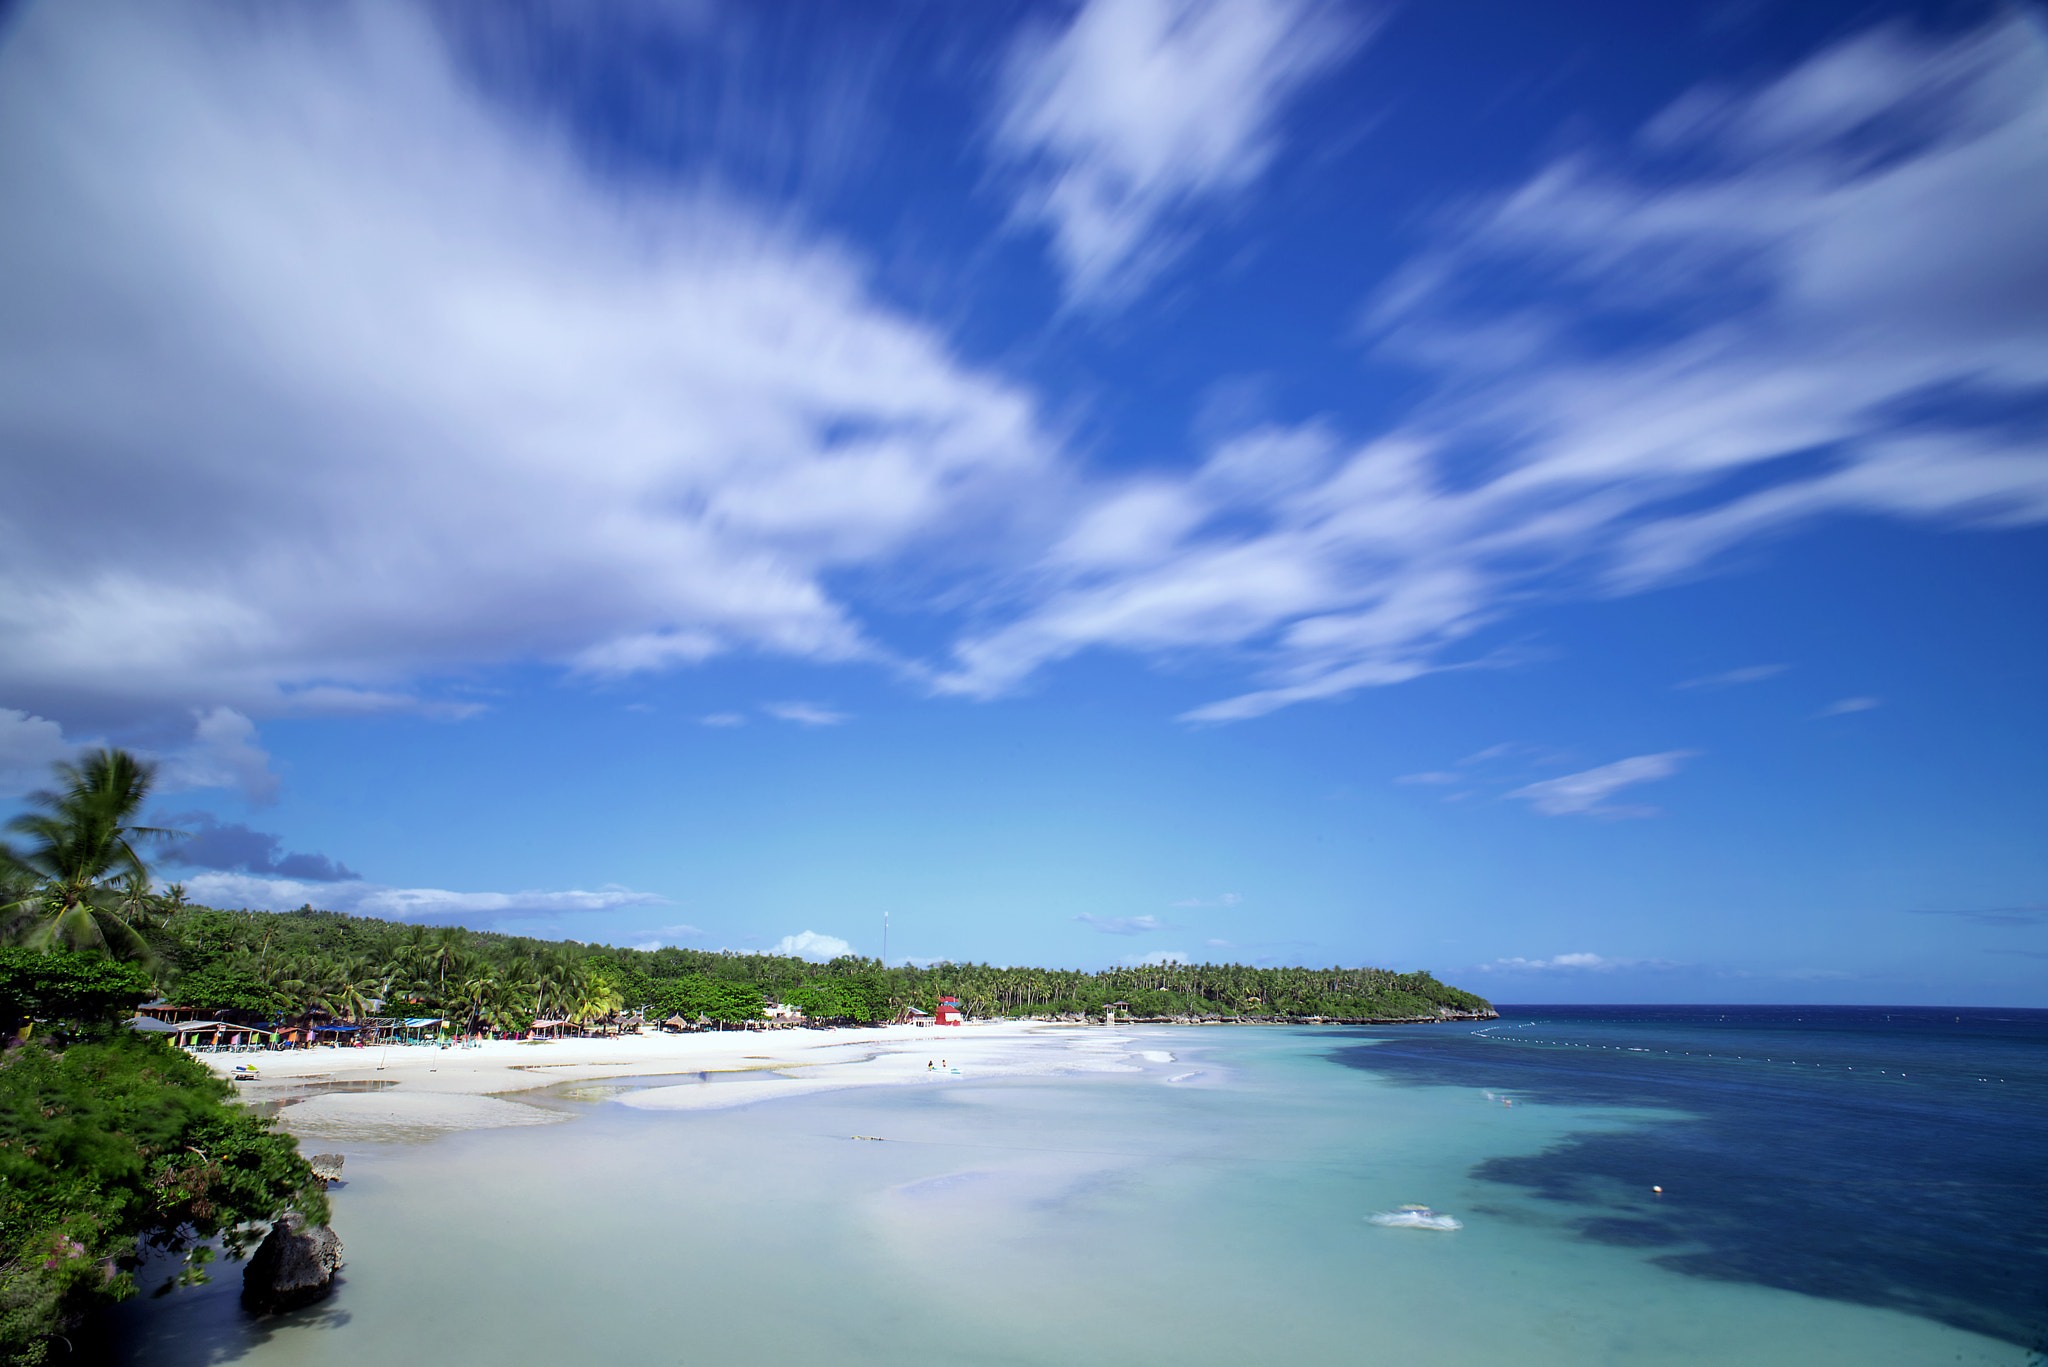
<point>293,1266</point>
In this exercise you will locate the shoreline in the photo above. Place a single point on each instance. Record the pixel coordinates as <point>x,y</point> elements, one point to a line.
<point>412,1092</point>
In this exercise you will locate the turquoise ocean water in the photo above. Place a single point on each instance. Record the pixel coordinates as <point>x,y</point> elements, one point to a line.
<point>1210,1207</point>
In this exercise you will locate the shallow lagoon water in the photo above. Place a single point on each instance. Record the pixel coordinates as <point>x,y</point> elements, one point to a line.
<point>1126,1218</point>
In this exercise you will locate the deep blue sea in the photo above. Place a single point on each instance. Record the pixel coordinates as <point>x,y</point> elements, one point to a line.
<point>1889,1156</point>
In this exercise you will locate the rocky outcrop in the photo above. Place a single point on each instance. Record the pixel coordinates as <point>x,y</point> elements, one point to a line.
<point>293,1266</point>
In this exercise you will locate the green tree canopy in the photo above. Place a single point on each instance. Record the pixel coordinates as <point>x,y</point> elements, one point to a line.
<point>115,1145</point>
<point>700,994</point>
<point>232,987</point>
<point>79,881</point>
<point>83,987</point>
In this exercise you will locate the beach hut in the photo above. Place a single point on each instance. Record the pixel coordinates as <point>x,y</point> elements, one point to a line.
<point>205,1036</point>
<point>399,1030</point>
<point>949,1012</point>
<point>161,1010</point>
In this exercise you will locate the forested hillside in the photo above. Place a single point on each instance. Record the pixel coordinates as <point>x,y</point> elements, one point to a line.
<point>288,962</point>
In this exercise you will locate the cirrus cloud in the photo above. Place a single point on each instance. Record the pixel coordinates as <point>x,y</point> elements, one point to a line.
<point>805,714</point>
<point>1573,963</point>
<point>1586,793</point>
<point>1844,267</point>
<point>1123,925</point>
<point>224,889</point>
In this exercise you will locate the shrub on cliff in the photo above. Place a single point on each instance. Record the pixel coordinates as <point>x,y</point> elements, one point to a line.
<point>111,1144</point>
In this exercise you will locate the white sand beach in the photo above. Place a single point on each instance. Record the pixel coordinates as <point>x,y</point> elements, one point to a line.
<point>417,1091</point>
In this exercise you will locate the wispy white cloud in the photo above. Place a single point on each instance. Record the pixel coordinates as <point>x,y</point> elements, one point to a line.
<point>1748,674</point>
<point>1509,749</point>
<point>1809,275</point>
<point>1586,793</point>
<point>1573,963</point>
<point>385,383</point>
<point>1164,956</point>
<point>1843,706</point>
<point>235,890</point>
<point>1140,111</point>
<point>805,714</point>
<point>1227,899</point>
<point>722,719</point>
<point>1124,925</point>
<point>811,945</point>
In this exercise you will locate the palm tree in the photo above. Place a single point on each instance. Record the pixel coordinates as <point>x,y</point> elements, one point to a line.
<point>485,999</point>
<point>141,905</point>
<point>83,858</point>
<point>444,956</point>
<point>354,985</point>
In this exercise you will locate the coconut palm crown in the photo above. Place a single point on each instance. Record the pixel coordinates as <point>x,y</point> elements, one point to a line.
<point>71,884</point>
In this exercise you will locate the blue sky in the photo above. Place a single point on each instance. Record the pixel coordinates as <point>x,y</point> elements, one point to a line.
<point>1554,497</point>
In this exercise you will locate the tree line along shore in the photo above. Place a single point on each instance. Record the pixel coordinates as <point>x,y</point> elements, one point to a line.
<point>310,963</point>
<point>115,1144</point>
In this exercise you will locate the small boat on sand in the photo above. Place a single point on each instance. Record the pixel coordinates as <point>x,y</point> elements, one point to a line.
<point>1415,1217</point>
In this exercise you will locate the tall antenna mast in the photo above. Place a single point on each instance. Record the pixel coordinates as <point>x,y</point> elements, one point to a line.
<point>885,939</point>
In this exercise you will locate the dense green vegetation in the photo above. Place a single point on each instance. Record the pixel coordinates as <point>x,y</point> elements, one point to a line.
<point>300,961</point>
<point>113,1144</point>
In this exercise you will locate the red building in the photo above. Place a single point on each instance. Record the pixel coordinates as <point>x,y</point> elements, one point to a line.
<point>949,1011</point>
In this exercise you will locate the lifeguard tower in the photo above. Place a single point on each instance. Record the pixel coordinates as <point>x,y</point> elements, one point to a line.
<point>949,1012</point>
